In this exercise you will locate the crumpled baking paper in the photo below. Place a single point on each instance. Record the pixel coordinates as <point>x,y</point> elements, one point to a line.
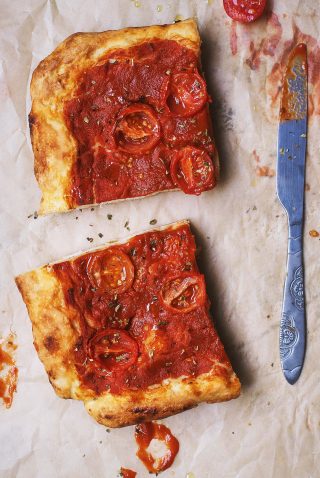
<point>273,429</point>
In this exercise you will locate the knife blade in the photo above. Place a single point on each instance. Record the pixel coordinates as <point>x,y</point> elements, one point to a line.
<point>292,145</point>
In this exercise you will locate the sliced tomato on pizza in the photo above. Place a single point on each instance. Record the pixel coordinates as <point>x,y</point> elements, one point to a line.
<point>107,125</point>
<point>127,329</point>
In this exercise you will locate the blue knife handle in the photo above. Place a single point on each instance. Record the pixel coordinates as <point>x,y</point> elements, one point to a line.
<point>292,328</point>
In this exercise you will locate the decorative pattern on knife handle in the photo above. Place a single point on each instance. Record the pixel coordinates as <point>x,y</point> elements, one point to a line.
<point>292,328</point>
<point>289,336</point>
<point>297,288</point>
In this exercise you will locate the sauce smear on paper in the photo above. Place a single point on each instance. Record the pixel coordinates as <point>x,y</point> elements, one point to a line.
<point>144,434</point>
<point>126,473</point>
<point>8,370</point>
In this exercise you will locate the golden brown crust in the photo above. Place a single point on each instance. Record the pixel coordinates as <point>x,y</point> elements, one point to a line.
<point>55,79</point>
<point>171,397</point>
<point>55,330</point>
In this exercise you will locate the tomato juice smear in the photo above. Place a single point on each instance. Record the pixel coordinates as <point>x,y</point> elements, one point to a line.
<point>169,343</point>
<point>8,370</point>
<point>139,75</point>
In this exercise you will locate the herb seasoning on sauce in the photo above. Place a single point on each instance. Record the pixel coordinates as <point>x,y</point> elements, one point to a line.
<point>131,116</point>
<point>143,313</point>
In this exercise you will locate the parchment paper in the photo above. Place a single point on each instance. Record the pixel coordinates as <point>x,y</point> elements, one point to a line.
<point>272,430</point>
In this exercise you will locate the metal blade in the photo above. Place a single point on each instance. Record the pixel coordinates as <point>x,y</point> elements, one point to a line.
<point>292,142</point>
<point>293,134</point>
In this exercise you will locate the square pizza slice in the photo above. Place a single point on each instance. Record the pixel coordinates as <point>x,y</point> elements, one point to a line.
<point>122,114</point>
<point>126,328</point>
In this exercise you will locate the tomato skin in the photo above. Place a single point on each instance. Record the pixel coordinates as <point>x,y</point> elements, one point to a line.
<point>245,11</point>
<point>187,93</point>
<point>177,285</point>
<point>111,271</point>
<point>192,170</point>
<point>113,349</point>
<point>137,129</point>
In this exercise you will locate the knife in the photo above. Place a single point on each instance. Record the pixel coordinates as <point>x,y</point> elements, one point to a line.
<point>292,143</point>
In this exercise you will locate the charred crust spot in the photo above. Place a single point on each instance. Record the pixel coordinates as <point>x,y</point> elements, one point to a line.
<point>51,344</point>
<point>108,417</point>
<point>146,410</point>
<point>32,122</point>
<point>51,376</point>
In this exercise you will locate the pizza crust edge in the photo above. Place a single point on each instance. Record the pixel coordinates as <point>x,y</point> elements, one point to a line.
<point>54,326</point>
<point>55,78</point>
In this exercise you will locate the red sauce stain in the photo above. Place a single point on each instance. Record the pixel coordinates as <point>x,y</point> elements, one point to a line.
<point>8,370</point>
<point>126,473</point>
<point>265,171</point>
<point>275,78</point>
<point>291,106</point>
<point>234,38</point>
<point>267,45</point>
<point>144,434</point>
<point>256,157</point>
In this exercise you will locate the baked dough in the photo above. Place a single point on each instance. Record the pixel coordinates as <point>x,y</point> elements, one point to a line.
<point>55,81</point>
<point>56,334</point>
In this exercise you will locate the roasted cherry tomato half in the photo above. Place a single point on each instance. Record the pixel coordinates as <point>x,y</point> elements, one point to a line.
<point>111,271</point>
<point>192,170</point>
<point>183,292</point>
<point>137,129</point>
<point>113,349</point>
<point>244,11</point>
<point>187,93</point>
<point>144,434</point>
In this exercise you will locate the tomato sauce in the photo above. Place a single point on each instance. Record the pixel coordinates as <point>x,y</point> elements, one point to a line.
<point>126,473</point>
<point>144,434</point>
<point>8,371</point>
<point>145,317</point>
<point>293,105</point>
<point>130,115</point>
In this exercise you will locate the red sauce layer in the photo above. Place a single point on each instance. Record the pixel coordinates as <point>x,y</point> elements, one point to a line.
<point>144,312</point>
<point>8,371</point>
<point>150,76</point>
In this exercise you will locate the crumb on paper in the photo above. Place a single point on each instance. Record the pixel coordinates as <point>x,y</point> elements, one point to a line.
<point>265,171</point>
<point>159,8</point>
<point>307,187</point>
<point>256,157</point>
<point>314,233</point>
<point>178,18</point>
